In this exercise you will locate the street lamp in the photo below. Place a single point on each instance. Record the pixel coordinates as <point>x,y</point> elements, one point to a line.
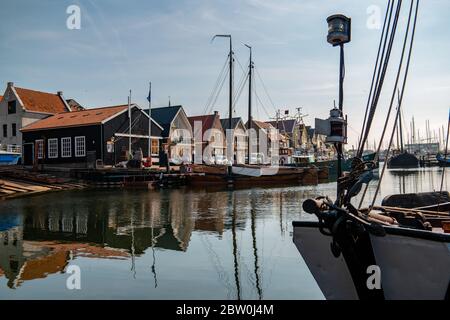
<point>339,33</point>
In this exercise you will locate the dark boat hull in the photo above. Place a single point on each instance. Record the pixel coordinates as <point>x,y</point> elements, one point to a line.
<point>403,161</point>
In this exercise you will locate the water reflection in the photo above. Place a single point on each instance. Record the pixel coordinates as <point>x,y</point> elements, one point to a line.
<point>180,243</point>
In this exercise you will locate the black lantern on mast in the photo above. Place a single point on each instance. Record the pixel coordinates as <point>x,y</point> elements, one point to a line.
<point>339,29</point>
<point>339,33</point>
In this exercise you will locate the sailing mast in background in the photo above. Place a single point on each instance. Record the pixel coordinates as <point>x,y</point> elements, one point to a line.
<point>230,106</point>
<point>149,98</point>
<point>129,127</point>
<point>250,72</point>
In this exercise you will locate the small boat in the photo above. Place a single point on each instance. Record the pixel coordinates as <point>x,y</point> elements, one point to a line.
<point>442,160</point>
<point>403,160</point>
<point>10,158</point>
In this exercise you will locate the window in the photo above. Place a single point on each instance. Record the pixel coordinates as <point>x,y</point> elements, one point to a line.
<point>12,107</point>
<point>80,146</point>
<point>53,148</point>
<point>66,147</point>
<point>5,131</point>
<point>14,130</point>
<point>40,149</point>
<point>155,146</point>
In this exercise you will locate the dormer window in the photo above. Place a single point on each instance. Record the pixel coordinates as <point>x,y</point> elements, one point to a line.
<point>12,107</point>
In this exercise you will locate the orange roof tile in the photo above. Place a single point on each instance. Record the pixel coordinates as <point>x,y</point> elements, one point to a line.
<point>1,98</point>
<point>38,101</point>
<point>76,118</point>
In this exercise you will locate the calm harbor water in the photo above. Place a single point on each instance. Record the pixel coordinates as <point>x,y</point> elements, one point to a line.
<point>168,244</point>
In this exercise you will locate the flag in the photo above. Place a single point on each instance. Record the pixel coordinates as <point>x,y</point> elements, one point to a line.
<point>149,98</point>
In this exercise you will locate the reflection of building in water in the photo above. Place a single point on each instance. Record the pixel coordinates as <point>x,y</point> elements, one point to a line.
<point>210,209</point>
<point>43,243</point>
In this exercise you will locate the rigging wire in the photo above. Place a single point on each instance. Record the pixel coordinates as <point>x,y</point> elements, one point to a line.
<point>217,83</point>
<point>394,91</point>
<point>401,97</point>
<point>388,14</point>
<point>379,87</point>
<point>208,111</point>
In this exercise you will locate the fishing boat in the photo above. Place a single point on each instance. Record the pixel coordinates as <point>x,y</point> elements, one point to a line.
<point>390,251</point>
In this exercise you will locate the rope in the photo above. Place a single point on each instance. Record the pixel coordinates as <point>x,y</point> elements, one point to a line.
<point>381,77</point>
<point>401,99</point>
<point>392,100</point>
<point>388,12</point>
<point>218,81</point>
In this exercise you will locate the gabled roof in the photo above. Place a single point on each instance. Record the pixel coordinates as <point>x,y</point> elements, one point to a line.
<point>284,125</point>
<point>77,118</point>
<point>262,125</point>
<point>164,116</point>
<point>37,101</point>
<point>234,122</point>
<point>207,121</point>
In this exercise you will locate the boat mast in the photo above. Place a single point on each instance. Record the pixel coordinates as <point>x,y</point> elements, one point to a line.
<point>230,101</point>
<point>400,123</point>
<point>129,128</point>
<point>250,73</point>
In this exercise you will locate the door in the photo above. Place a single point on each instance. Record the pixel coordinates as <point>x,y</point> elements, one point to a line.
<point>28,153</point>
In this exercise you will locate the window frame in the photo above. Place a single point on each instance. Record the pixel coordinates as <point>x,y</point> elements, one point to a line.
<point>56,145</point>
<point>5,130</point>
<point>40,147</point>
<point>77,154</point>
<point>13,129</point>
<point>69,155</point>
<point>12,110</point>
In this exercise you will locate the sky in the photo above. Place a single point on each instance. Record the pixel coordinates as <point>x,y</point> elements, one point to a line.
<point>122,45</point>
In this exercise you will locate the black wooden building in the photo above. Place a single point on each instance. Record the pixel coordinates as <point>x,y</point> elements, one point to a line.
<point>80,138</point>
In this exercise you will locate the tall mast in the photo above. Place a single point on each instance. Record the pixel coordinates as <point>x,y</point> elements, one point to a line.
<point>250,73</point>
<point>129,118</point>
<point>400,123</point>
<point>230,102</point>
<point>150,123</point>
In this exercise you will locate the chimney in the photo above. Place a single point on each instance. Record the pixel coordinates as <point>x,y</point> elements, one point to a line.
<point>10,84</point>
<point>216,113</point>
<point>60,93</point>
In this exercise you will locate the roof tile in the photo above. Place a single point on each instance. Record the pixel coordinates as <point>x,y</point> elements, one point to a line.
<point>38,101</point>
<point>76,118</point>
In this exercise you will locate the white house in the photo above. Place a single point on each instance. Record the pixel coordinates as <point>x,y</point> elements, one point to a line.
<point>21,107</point>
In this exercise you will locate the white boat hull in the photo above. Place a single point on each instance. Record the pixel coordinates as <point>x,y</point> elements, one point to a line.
<point>412,268</point>
<point>331,274</point>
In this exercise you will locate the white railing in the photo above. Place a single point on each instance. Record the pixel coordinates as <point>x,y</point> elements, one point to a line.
<point>11,148</point>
